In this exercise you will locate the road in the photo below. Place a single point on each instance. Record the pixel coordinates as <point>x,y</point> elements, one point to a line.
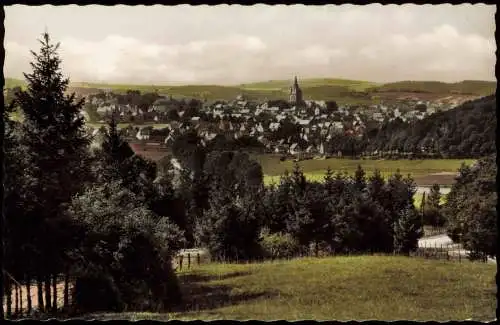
<point>446,242</point>
<point>427,189</point>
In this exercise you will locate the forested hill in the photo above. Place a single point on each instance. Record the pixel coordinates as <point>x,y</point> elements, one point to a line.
<point>465,131</point>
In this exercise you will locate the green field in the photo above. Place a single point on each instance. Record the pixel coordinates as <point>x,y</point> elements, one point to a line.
<point>473,87</point>
<point>335,288</point>
<point>343,91</point>
<point>314,170</point>
<point>284,85</point>
<point>418,199</point>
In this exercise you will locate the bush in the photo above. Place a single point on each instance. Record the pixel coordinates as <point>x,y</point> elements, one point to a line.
<point>96,291</point>
<point>279,245</point>
<point>434,218</point>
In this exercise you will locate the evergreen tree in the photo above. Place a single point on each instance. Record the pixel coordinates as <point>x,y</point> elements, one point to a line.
<point>359,179</point>
<point>432,209</point>
<point>423,204</point>
<point>56,143</point>
<point>376,187</point>
<point>230,227</point>
<point>471,208</point>
<point>434,198</point>
<point>407,230</point>
<point>298,179</point>
<point>328,179</point>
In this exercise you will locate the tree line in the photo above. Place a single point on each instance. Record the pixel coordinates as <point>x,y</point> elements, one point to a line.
<point>467,131</point>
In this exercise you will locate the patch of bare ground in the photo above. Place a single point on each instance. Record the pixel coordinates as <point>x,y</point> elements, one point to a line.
<point>438,178</point>
<point>23,297</point>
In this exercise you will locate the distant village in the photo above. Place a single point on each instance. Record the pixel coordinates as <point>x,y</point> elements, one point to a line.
<point>314,122</point>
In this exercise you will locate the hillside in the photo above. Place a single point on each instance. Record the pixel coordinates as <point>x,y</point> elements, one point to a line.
<point>467,130</point>
<point>283,85</point>
<point>341,90</point>
<point>466,87</point>
<point>342,288</point>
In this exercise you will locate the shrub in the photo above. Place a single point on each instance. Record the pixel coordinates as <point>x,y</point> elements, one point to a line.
<point>279,245</point>
<point>96,291</point>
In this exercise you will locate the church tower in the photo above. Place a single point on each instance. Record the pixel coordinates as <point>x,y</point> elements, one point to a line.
<point>295,93</point>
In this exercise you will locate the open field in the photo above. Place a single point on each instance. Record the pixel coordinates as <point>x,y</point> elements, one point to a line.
<point>425,172</point>
<point>340,288</point>
<point>353,85</point>
<point>343,91</point>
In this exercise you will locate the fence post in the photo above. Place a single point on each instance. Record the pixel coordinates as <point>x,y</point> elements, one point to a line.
<point>198,260</point>
<point>189,261</point>
<point>181,257</point>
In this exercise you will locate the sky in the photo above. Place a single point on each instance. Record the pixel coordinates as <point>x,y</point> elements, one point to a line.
<point>229,44</point>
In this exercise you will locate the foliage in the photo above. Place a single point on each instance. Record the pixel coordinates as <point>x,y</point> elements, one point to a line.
<point>230,227</point>
<point>407,230</point>
<point>470,209</point>
<point>432,214</point>
<point>121,238</point>
<point>53,154</point>
<point>465,131</point>
<point>278,245</point>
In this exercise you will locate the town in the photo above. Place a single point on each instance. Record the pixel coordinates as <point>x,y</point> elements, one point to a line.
<point>313,122</point>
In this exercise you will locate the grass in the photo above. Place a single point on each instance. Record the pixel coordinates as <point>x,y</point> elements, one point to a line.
<point>315,169</point>
<point>474,87</point>
<point>340,288</point>
<point>341,90</point>
<point>283,85</point>
<point>418,199</point>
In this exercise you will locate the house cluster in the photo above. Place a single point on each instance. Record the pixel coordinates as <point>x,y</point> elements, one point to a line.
<point>314,124</point>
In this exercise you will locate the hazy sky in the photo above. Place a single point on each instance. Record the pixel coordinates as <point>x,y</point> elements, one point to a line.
<point>236,44</point>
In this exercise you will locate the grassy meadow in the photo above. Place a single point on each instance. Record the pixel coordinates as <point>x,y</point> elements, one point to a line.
<point>335,288</point>
<point>343,91</point>
<point>314,170</point>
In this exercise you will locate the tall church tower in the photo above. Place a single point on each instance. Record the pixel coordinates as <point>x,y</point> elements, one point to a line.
<point>295,93</point>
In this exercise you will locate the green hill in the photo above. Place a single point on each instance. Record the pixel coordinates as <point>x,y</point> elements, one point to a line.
<point>340,90</point>
<point>354,85</point>
<point>341,288</point>
<point>468,87</point>
<point>12,83</point>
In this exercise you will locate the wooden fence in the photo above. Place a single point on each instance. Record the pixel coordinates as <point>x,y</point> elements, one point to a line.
<point>435,251</point>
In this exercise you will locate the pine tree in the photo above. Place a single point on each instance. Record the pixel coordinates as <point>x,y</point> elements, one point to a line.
<point>359,179</point>
<point>56,143</point>
<point>407,230</point>
<point>376,184</point>
<point>299,179</point>
<point>434,198</point>
<point>328,175</point>
<point>112,154</point>
<point>423,204</point>
<point>433,214</point>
